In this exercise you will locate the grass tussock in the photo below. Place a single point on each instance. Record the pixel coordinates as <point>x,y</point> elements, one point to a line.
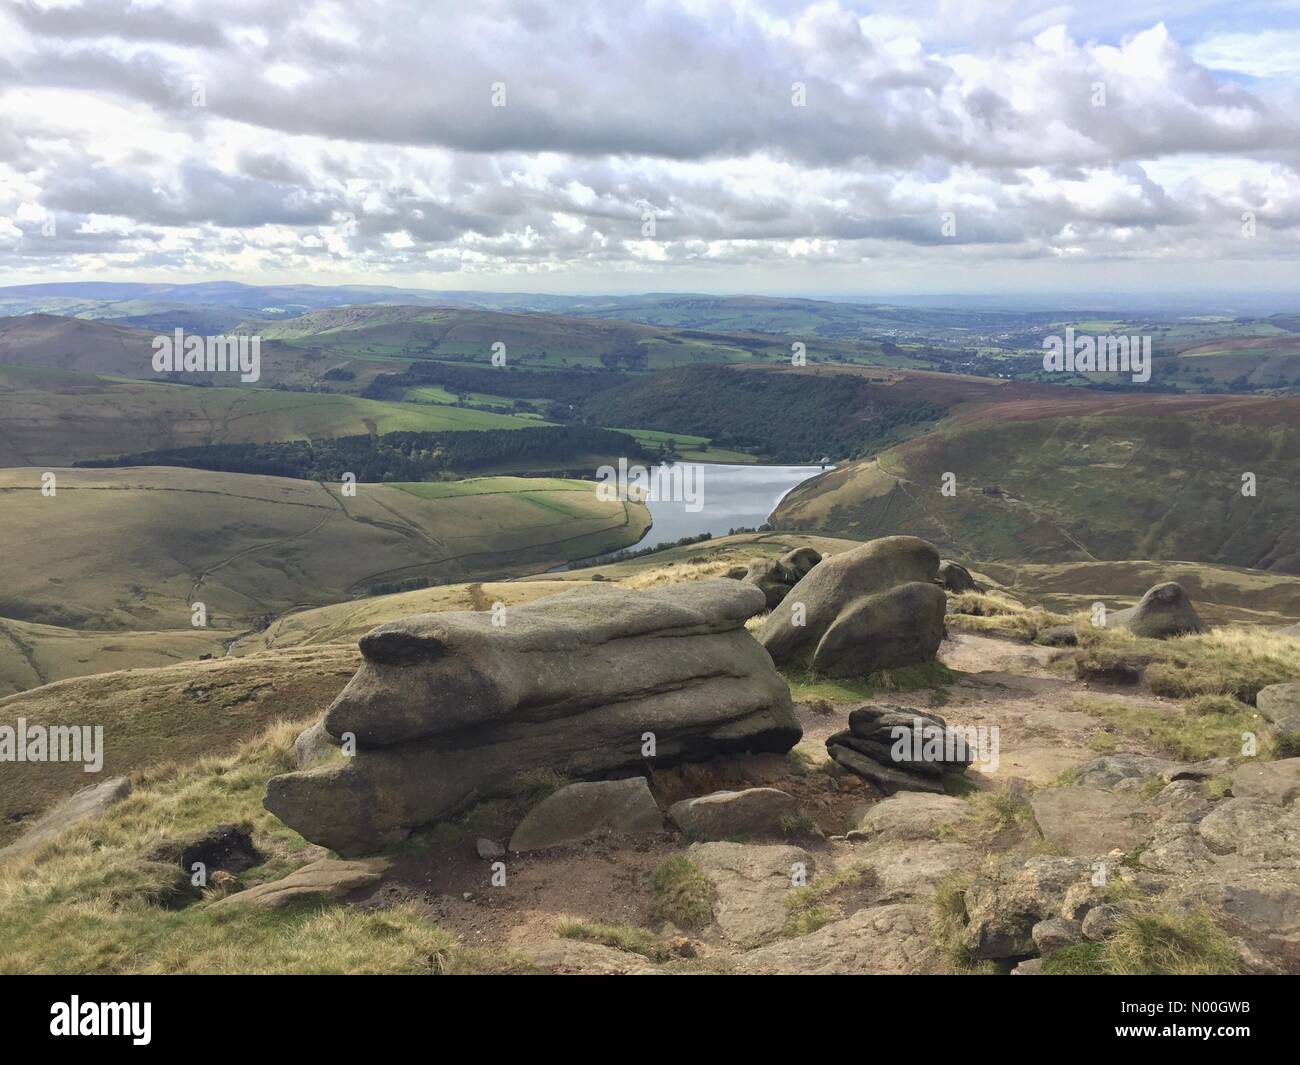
<point>807,687</point>
<point>998,613</point>
<point>948,920</point>
<point>1177,731</point>
<point>92,902</point>
<point>817,904</point>
<point>619,936</point>
<point>682,893</point>
<point>1152,942</point>
<point>1234,660</point>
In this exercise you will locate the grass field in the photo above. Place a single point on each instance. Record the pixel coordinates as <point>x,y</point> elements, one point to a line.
<point>133,548</point>
<point>50,418</point>
<point>1043,479</point>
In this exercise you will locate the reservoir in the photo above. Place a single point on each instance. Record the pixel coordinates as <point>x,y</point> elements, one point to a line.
<point>726,497</point>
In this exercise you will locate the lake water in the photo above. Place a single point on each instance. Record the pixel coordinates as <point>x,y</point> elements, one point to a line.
<point>719,497</point>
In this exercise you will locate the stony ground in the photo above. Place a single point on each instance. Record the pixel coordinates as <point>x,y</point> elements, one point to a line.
<point>1057,834</point>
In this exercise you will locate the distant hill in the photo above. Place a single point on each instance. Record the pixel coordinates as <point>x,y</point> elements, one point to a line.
<point>133,549</point>
<point>1049,475</point>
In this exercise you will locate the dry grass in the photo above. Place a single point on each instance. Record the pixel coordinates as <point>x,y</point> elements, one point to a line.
<point>1235,660</point>
<point>999,613</point>
<point>92,902</point>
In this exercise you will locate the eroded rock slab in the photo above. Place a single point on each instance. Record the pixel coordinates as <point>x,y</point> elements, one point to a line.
<point>884,940</point>
<point>753,813</point>
<point>450,709</point>
<point>580,811</point>
<point>752,883</point>
<point>1087,821</point>
<point>328,877</point>
<point>84,806</point>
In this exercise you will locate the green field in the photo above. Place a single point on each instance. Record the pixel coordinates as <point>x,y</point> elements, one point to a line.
<point>54,418</point>
<point>1161,482</point>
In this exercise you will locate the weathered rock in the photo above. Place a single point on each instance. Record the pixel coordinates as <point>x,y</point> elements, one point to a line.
<point>800,561</point>
<point>909,869</point>
<point>900,749</point>
<point>1056,933</point>
<point>488,849</point>
<point>1279,705</point>
<point>955,577</point>
<point>752,813</point>
<point>1003,909</point>
<point>312,745</point>
<point>1058,636</point>
<point>580,811</point>
<point>76,809</point>
<point>771,578</point>
<point>1122,771</point>
<point>910,815</point>
<point>1262,832</point>
<point>1086,821</point>
<point>1100,922</point>
<point>449,709</point>
<point>1028,967</point>
<point>574,957</point>
<point>752,883</point>
<point>874,607</point>
<point>228,847</point>
<point>886,779</point>
<point>1274,782</point>
<point>328,877</point>
<point>1164,611</point>
<point>736,573</point>
<point>883,940</point>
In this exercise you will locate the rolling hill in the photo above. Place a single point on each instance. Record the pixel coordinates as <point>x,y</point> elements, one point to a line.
<point>1042,475</point>
<point>50,417</point>
<point>133,548</point>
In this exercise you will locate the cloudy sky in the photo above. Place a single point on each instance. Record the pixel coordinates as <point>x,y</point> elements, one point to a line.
<point>632,145</point>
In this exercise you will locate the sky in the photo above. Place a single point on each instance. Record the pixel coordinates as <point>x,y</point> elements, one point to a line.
<point>612,146</point>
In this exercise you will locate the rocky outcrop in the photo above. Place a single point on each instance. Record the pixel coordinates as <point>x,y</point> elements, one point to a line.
<point>580,811</point>
<point>1279,705</point>
<point>776,578</point>
<point>955,577</point>
<point>1083,821</point>
<point>900,749</point>
<point>910,815</point>
<point>753,813</point>
<point>451,709</point>
<point>1164,611</point>
<point>875,607</point>
<point>327,878</point>
<point>751,883</point>
<point>85,805</point>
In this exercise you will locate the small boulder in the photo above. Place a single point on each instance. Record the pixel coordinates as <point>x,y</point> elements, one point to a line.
<point>910,815</point>
<point>1056,933</point>
<point>1279,705</point>
<point>85,805</point>
<point>1164,611</point>
<point>771,578</point>
<point>800,561</point>
<point>580,811</point>
<point>328,877</point>
<point>488,849</point>
<point>1100,922</point>
<point>752,813</point>
<point>955,577</point>
<point>1272,782</point>
<point>1087,821</point>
